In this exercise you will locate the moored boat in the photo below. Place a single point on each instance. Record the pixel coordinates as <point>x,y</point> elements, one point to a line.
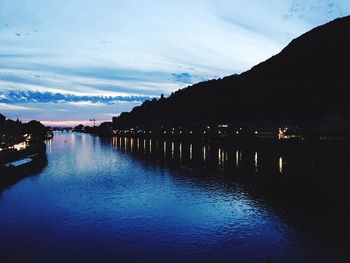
<point>23,166</point>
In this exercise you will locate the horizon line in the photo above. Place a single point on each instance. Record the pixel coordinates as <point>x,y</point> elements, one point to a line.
<point>72,123</point>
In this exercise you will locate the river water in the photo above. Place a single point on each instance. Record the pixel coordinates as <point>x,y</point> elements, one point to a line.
<point>141,200</point>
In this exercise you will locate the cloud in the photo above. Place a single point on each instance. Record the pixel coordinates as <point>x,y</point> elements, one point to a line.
<point>28,96</point>
<point>90,80</point>
<point>69,111</point>
<point>4,106</point>
<point>118,53</point>
<point>182,77</point>
<point>317,11</point>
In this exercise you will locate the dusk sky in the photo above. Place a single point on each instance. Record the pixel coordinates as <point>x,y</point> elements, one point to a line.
<point>67,61</point>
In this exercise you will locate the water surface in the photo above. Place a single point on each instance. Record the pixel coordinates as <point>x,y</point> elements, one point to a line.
<point>129,200</point>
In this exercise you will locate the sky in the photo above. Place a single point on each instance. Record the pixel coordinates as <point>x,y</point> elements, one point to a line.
<point>65,62</point>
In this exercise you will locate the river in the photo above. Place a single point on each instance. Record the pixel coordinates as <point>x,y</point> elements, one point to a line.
<point>129,200</point>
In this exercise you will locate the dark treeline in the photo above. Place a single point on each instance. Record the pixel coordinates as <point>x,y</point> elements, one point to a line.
<point>13,132</point>
<point>307,83</point>
<point>104,129</point>
<point>21,142</point>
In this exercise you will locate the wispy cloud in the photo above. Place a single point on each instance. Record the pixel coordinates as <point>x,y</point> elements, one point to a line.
<point>6,107</point>
<point>182,77</point>
<point>90,80</point>
<point>316,10</point>
<point>116,54</point>
<point>28,96</point>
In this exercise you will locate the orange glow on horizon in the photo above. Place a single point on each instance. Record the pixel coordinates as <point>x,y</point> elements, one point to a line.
<point>71,123</point>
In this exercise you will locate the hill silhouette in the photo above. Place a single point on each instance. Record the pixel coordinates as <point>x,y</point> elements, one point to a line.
<point>305,82</point>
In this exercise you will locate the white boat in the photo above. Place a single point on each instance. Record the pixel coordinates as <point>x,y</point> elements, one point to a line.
<point>21,166</point>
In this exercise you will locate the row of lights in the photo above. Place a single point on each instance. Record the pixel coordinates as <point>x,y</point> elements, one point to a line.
<point>165,132</point>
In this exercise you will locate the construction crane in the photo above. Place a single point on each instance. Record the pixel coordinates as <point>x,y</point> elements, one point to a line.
<point>94,121</point>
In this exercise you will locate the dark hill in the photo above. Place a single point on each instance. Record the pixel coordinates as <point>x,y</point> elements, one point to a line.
<point>306,81</point>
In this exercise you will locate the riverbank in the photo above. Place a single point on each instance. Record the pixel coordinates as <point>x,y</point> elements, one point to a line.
<point>11,173</point>
<point>11,155</point>
<point>16,165</point>
<point>223,134</point>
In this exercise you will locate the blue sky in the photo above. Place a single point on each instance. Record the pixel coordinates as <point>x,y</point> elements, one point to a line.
<point>73,60</point>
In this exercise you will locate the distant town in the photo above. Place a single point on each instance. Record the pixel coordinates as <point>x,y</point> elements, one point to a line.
<point>328,130</point>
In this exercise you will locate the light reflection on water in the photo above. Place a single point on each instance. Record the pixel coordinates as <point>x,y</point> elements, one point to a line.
<point>140,200</point>
<point>280,165</point>
<point>191,151</point>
